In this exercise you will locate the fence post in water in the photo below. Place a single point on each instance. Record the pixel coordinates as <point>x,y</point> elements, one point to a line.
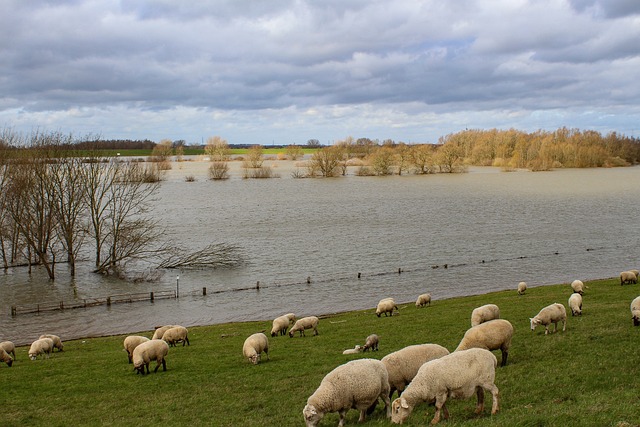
<point>399,270</point>
<point>61,305</point>
<point>258,285</point>
<point>13,310</point>
<point>151,296</point>
<point>358,275</point>
<point>177,286</point>
<point>108,301</point>
<point>204,290</point>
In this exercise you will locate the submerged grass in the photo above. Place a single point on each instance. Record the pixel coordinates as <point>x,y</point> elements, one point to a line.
<point>586,376</point>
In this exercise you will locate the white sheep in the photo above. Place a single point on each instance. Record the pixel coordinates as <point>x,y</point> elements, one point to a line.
<point>492,335</point>
<point>9,347</point>
<point>484,314</point>
<point>356,384</point>
<point>282,323</point>
<point>42,346</point>
<point>575,304</point>
<point>424,299</point>
<point>553,313</point>
<point>402,365</point>
<point>635,311</point>
<point>578,286</point>
<point>636,272</point>
<point>4,357</point>
<point>309,322</point>
<point>371,342</point>
<point>458,375</point>
<point>385,306</point>
<point>355,350</point>
<point>131,342</point>
<point>628,277</point>
<point>253,347</point>
<point>57,342</point>
<point>175,335</point>
<point>522,288</point>
<point>160,330</point>
<point>147,352</point>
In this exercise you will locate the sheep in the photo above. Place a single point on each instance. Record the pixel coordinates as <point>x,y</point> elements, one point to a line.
<point>148,351</point>
<point>484,314</point>
<point>281,323</point>
<point>628,277</point>
<point>578,286</point>
<point>402,365</point>
<point>253,347</point>
<point>575,304</point>
<point>356,384</point>
<point>57,342</point>
<point>636,272</point>
<point>371,343</point>
<point>9,347</point>
<point>357,349</point>
<point>553,313</point>
<point>385,306</point>
<point>175,335</point>
<point>4,357</point>
<point>42,346</point>
<point>309,322</point>
<point>131,342</point>
<point>522,288</point>
<point>635,311</point>
<point>457,375</point>
<point>424,299</point>
<point>492,335</point>
<point>160,330</point>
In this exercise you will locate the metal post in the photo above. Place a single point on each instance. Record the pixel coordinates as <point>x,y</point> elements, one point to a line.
<point>177,286</point>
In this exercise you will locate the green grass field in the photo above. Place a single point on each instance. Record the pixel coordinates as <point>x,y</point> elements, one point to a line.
<point>586,376</point>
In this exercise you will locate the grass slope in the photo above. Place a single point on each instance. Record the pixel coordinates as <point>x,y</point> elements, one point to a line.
<point>586,376</point>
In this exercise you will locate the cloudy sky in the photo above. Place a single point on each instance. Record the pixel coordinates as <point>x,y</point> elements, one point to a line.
<point>286,71</point>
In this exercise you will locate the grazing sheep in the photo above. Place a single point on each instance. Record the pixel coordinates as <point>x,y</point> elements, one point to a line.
<point>148,351</point>
<point>253,347</point>
<point>281,323</point>
<point>160,330</point>
<point>175,335</point>
<point>131,342</point>
<point>577,286</point>
<point>402,365</point>
<point>57,342</point>
<point>371,343</point>
<point>628,277</point>
<point>635,311</point>
<point>9,347</point>
<point>4,357</point>
<point>553,313</point>
<point>357,384</point>
<point>42,346</point>
<point>492,335</point>
<point>309,322</point>
<point>636,272</point>
<point>357,349</point>
<point>522,288</point>
<point>458,375</point>
<point>385,306</point>
<point>424,299</point>
<point>484,314</point>
<point>575,304</point>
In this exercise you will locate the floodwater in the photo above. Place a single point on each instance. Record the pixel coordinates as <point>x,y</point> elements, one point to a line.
<point>491,229</point>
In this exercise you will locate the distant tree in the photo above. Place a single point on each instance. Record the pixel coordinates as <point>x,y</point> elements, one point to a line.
<point>254,157</point>
<point>161,154</point>
<point>294,152</point>
<point>422,158</point>
<point>325,162</point>
<point>448,157</point>
<point>313,143</point>
<point>382,161</point>
<point>217,149</point>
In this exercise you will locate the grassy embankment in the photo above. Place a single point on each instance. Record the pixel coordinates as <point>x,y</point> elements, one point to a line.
<point>191,151</point>
<point>586,376</point>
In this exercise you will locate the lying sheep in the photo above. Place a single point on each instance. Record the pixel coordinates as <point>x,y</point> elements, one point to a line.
<point>42,346</point>
<point>160,330</point>
<point>371,343</point>
<point>635,311</point>
<point>9,347</point>
<point>131,342</point>
<point>357,384</point>
<point>253,347</point>
<point>4,357</point>
<point>628,277</point>
<point>577,286</point>
<point>458,375</point>
<point>355,350</point>
<point>492,335</point>
<point>175,335</point>
<point>57,342</point>
<point>424,299</point>
<point>282,323</point>
<point>147,352</point>
<point>309,322</point>
<point>522,288</point>
<point>385,306</point>
<point>553,313</point>
<point>484,314</point>
<point>402,365</point>
<point>575,304</point>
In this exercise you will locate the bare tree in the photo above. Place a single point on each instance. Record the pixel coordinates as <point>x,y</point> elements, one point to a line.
<point>325,162</point>
<point>217,149</point>
<point>215,255</point>
<point>254,157</point>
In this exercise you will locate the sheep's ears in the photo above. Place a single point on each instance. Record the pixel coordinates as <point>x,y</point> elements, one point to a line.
<point>403,403</point>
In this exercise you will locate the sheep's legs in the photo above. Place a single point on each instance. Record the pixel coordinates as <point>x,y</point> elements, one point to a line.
<point>480,404</point>
<point>363,416</point>
<point>496,398</point>
<point>342,414</point>
<point>505,354</point>
<point>440,402</point>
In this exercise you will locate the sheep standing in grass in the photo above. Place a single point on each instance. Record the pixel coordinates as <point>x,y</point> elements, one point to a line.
<point>403,365</point>
<point>522,288</point>
<point>131,342</point>
<point>253,347</point>
<point>424,299</point>
<point>635,311</point>
<point>147,352</point>
<point>42,346</point>
<point>57,342</point>
<point>577,286</point>
<point>281,324</point>
<point>553,313</point>
<point>636,272</point>
<point>4,357</point>
<point>175,335</point>
<point>484,314</point>
<point>9,347</point>
<point>458,375</point>
<point>309,322</point>
<point>357,384</point>
<point>628,277</point>
<point>371,342</point>
<point>492,335</point>
<point>386,306</point>
<point>575,304</point>
<point>159,332</point>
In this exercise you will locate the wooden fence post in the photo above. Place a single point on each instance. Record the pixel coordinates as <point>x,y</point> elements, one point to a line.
<point>204,290</point>
<point>151,296</point>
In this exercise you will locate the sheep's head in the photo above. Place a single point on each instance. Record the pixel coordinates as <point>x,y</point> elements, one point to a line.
<point>400,410</point>
<point>255,359</point>
<point>33,356</point>
<point>311,416</point>
<point>636,319</point>
<point>534,322</point>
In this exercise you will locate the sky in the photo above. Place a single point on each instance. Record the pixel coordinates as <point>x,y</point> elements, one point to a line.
<point>287,71</point>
